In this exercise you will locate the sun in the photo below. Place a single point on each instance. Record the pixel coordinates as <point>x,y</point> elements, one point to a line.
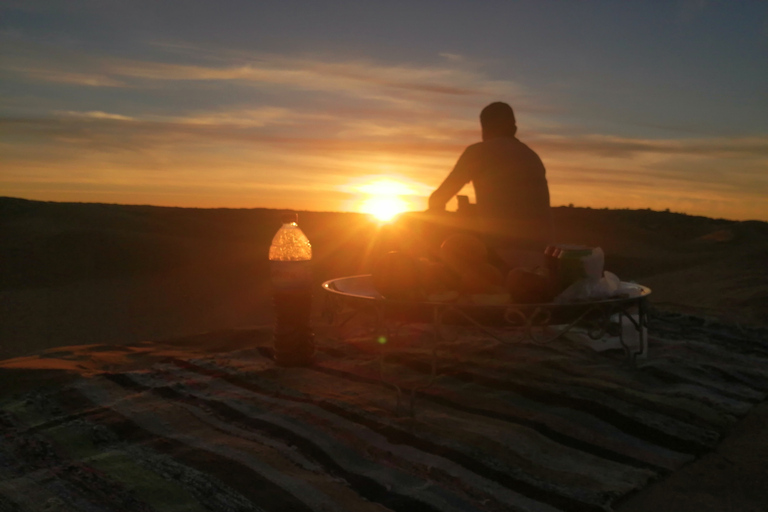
<point>384,197</point>
<point>384,208</point>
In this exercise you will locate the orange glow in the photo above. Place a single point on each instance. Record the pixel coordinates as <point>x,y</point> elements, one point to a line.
<point>386,187</point>
<point>384,208</point>
<point>384,198</point>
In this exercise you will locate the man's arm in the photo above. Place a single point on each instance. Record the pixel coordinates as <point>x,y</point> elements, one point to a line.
<point>453,183</point>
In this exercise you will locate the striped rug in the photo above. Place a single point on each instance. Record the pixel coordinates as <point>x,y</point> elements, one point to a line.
<point>210,423</point>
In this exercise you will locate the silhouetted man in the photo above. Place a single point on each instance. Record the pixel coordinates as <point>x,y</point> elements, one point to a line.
<point>512,195</point>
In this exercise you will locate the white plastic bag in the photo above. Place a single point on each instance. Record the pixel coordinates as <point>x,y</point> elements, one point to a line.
<point>590,288</point>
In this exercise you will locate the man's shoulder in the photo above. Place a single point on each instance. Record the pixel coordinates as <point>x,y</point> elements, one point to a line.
<point>472,153</point>
<point>521,148</point>
<point>475,148</point>
<point>501,147</point>
<point>500,144</point>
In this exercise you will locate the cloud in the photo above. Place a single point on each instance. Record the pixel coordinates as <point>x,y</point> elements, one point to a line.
<point>350,133</point>
<point>269,150</point>
<point>714,176</point>
<point>244,165</point>
<point>625,147</point>
<point>94,114</point>
<point>455,57</point>
<point>268,124</point>
<point>252,118</point>
<point>66,77</point>
<point>361,78</point>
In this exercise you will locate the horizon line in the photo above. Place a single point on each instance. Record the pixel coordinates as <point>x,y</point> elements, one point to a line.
<point>565,206</point>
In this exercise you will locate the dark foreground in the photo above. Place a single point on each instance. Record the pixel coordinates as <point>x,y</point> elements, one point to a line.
<point>111,421</point>
<point>96,273</point>
<point>209,423</point>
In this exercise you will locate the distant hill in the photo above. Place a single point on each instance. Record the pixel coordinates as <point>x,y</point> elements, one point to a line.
<point>88,272</point>
<point>48,243</point>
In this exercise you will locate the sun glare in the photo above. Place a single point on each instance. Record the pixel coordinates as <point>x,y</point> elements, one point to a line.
<point>383,207</point>
<point>386,187</point>
<point>384,197</point>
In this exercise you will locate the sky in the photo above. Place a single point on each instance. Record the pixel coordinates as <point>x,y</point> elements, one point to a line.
<point>317,105</point>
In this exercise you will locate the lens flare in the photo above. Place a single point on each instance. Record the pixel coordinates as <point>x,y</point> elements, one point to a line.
<point>384,197</point>
<point>384,208</point>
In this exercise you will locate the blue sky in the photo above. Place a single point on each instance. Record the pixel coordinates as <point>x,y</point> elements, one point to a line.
<point>302,104</point>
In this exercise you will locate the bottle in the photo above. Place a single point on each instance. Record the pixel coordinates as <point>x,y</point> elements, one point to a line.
<point>290,259</point>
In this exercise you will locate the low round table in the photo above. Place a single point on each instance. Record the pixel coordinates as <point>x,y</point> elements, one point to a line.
<point>541,323</point>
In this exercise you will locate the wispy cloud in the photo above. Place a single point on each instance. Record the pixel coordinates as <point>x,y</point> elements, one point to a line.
<point>227,150</point>
<point>625,147</point>
<point>94,114</point>
<point>369,80</point>
<point>362,78</point>
<point>247,126</point>
<point>452,56</point>
<point>66,77</point>
<point>708,176</point>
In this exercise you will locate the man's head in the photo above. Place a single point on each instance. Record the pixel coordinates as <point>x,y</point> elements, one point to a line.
<point>498,120</point>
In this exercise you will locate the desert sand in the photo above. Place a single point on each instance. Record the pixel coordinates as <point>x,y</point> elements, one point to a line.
<point>136,375</point>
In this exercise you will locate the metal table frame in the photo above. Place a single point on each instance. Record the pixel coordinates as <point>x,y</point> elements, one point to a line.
<point>534,321</point>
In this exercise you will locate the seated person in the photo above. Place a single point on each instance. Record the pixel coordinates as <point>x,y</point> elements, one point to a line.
<point>512,211</point>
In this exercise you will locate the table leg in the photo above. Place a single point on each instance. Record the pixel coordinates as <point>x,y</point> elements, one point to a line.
<point>641,326</point>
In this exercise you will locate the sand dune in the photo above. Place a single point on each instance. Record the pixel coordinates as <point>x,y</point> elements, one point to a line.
<point>88,273</point>
<point>209,422</point>
<point>158,388</point>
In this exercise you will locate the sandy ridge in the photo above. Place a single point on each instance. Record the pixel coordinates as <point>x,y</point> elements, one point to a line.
<point>504,427</point>
<point>295,415</point>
